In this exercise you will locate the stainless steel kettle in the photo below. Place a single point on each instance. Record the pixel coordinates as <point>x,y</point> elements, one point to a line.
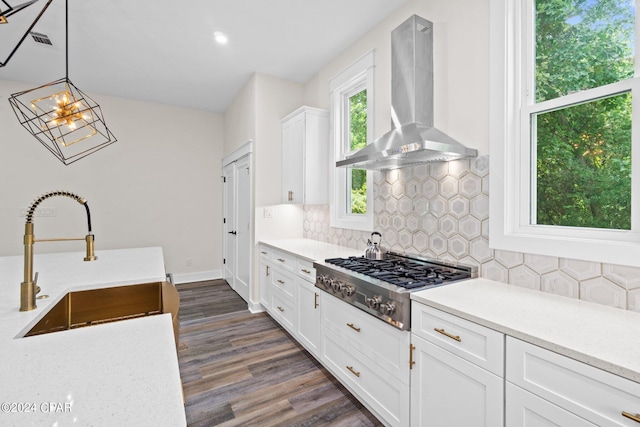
<point>374,250</point>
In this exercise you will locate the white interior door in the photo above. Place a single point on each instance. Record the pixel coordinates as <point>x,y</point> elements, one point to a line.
<point>229,173</point>
<point>238,207</point>
<point>243,228</point>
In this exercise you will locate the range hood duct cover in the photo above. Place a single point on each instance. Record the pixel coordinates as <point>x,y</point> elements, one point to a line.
<point>413,139</point>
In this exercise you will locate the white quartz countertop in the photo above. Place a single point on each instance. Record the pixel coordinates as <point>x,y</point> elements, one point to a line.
<point>121,373</point>
<point>601,336</point>
<point>312,250</point>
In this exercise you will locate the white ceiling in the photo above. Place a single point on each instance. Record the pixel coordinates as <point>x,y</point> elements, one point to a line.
<point>164,52</point>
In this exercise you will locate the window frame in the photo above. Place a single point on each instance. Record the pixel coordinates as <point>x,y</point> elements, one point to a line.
<point>512,159</point>
<point>355,78</point>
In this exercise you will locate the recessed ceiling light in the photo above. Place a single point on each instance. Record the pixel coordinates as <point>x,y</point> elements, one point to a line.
<point>220,37</point>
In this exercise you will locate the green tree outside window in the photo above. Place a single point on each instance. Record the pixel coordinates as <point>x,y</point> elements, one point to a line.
<point>583,162</point>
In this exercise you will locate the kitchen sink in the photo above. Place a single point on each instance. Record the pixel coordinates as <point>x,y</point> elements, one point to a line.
<point>79,309</point>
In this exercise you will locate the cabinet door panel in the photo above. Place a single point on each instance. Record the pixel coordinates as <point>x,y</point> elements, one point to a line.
<point>293,135</point>
<point>588,392</point>
<point>446,390</point>
<point>309,317</point>
<point>524,409</point>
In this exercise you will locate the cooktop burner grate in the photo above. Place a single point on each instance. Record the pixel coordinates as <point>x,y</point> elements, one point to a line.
<point>400,271</point>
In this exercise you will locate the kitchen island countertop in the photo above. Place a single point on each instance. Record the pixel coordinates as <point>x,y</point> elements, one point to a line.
<point>120,373</point>
<point>598,335</point>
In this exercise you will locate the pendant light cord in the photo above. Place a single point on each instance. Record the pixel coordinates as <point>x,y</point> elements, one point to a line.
<point>66,41</point>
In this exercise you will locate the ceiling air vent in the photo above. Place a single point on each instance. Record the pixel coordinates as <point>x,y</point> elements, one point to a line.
<point>41,38</point>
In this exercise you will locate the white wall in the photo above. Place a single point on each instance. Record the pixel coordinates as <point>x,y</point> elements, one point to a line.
<point>158,185</point>
<point>240,118</point>
<point>461,68</point>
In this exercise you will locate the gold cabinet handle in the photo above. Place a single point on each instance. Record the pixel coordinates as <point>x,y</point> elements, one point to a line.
<point>267,271</point>
<point>281,282</point>
<point>447,334</point>
<point>353,371</point>
<point>304,270</point>
<point>353,327</point>
<point>280,308</point>
<point>315,299</point>
<point>411,361</point>
<point>635,417</point>
<point>263,252</point>
<point>280,259</point>
<point>290,196</point>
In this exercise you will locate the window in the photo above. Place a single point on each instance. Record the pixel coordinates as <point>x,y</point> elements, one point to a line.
<point>351,112</point>
<point>564,155</point>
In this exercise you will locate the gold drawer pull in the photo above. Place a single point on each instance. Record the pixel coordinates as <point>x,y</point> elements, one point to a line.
<point>281,282</point>
<point>281,260</point>
<point>353,371</point>
<point>315,299</point>
<point>445,333</point>
<point>635,417</point>
<point>353,327</point>
<point>304,270</point>
<point>280,308</point>
<point>264,253</point>
<point>411,361</point>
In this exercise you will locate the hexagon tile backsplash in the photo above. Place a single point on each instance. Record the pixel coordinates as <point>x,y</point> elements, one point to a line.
<point>441,210</point>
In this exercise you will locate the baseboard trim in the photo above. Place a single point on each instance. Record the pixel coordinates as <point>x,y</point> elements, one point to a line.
<point>197,276</point>
<point>255,307</point>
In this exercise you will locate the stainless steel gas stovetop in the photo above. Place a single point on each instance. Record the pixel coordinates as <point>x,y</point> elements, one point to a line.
<point>382,288</point>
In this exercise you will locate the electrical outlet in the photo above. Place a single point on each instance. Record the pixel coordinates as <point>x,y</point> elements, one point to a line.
<point>268,212</point>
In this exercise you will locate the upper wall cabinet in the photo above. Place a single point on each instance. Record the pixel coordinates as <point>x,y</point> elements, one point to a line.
<point>305,152</point>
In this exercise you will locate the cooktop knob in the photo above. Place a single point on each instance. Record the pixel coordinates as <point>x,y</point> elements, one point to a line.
<point>389,308</point>
<point>337,286</point>
<point>348,290</point>
<point>320,279</point>
<point>373,302</point>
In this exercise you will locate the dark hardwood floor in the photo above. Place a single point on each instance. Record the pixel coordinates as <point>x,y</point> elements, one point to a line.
<point>243,369</point>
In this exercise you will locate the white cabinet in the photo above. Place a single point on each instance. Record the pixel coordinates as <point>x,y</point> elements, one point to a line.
<point>305,153</point>
<point>288,293</point>
<point>369,357</point>
<point>457,377</point>
<point>571,392</point>
<point>265,277</point>
<point>309,317</point>
<point>524,409</point>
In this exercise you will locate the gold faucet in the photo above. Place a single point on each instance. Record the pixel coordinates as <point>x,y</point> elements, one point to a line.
<point>29,288</point>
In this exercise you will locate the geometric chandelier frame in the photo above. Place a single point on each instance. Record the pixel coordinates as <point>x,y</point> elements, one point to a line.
<point>63,118</point>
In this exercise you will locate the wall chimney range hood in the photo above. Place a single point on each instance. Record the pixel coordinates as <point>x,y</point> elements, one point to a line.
<point>413,139</point>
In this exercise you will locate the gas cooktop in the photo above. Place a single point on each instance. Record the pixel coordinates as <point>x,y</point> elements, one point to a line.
<point>382,287</point>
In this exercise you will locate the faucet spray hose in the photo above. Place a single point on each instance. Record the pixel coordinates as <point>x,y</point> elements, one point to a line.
<point>42,198</point>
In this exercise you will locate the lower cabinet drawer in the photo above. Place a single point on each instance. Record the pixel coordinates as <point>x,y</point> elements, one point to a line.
<point>524,409</point>
<point>286,282</point>
<point>283,309</point>
<point>386,345</point>
<point>381,392</point>
<point>473,342</point>
<point>591,393</point>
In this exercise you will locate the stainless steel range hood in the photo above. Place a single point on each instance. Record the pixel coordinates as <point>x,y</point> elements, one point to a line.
<point>413,139</point>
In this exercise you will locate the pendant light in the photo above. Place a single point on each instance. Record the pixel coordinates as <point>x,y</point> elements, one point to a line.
<point>15,28</point>
<point>62,117</point>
